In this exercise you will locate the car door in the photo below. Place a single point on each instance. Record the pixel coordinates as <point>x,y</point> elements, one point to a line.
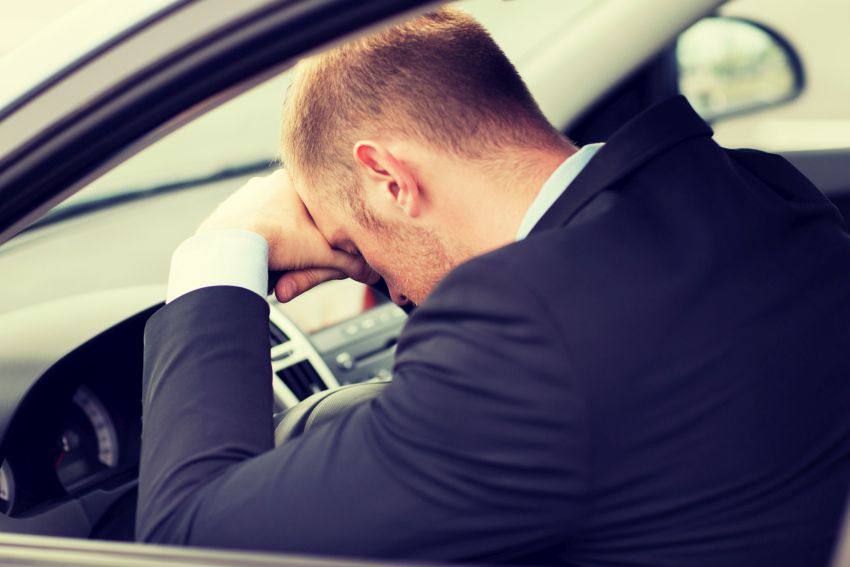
<point>38,551</point>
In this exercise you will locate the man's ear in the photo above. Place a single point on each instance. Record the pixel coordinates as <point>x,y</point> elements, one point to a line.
<point>391,176</point>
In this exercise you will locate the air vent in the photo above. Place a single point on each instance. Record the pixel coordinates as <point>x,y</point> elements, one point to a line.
<point>276,335</point>
<point>302,379</point>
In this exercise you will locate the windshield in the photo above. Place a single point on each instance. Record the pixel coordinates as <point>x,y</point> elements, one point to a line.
<point>241,136</point>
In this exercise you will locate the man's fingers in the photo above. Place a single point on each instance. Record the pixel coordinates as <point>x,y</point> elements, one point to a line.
<point>353,266</point>
<point>293,284</point>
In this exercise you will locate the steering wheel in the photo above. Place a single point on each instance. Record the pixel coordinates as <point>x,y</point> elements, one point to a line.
<point>323,407</point>
<point>329,404</point>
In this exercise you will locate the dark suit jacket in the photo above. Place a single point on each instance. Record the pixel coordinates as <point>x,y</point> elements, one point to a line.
<point>658,375</point>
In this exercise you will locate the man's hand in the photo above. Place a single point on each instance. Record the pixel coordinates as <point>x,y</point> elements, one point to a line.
<point>270,207</point>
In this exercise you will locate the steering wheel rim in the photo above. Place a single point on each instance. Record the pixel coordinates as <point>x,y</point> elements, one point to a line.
<point>323,407</point>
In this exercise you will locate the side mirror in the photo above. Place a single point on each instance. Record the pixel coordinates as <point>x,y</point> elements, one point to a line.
<point>729,66</point>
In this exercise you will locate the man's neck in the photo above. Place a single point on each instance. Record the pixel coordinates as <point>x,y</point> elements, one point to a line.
<point>498,197</point>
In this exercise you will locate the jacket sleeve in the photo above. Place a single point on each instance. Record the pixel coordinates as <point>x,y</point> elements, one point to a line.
<point>475,450</point>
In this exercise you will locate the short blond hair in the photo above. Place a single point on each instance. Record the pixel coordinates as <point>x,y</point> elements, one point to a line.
<point>440,79</point>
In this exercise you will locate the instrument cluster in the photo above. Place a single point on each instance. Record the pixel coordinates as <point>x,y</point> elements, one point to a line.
<point>78,429</point>
<point>84,449</point>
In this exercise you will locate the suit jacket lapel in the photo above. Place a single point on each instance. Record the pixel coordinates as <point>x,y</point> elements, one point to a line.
<point>639,140</point>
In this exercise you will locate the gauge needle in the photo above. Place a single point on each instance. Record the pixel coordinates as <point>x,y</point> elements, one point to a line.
<point>59,459</point>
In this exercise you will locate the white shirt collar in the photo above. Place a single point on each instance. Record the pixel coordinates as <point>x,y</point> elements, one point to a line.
<point>555,186</point>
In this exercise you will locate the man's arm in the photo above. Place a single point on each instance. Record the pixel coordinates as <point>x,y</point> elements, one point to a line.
<point>475,450</point>
<point>206,397</point>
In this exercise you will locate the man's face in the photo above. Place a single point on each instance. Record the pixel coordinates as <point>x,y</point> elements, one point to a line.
<point>412,259</point>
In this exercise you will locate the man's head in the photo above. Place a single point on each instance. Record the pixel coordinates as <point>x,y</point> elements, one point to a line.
<point>409,145</point>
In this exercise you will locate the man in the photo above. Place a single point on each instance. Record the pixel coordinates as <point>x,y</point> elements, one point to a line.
<point>631,353</point>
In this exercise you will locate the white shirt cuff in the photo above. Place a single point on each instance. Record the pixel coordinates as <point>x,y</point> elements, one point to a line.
<point>220,257</point>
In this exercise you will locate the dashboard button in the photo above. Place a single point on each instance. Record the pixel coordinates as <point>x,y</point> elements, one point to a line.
<point>345,361</point>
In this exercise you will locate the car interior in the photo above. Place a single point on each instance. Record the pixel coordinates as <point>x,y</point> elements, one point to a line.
<point>83,279</point>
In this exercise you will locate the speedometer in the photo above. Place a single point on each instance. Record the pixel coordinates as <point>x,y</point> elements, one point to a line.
<point>7,488</point>
<point>89,442</point>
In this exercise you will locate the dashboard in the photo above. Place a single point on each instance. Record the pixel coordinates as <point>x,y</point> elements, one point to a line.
<point>70,409</point>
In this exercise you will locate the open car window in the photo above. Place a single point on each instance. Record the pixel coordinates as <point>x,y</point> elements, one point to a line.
<point>241,136</point>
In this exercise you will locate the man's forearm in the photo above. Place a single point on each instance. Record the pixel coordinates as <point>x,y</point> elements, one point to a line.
<point>207,399</point>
